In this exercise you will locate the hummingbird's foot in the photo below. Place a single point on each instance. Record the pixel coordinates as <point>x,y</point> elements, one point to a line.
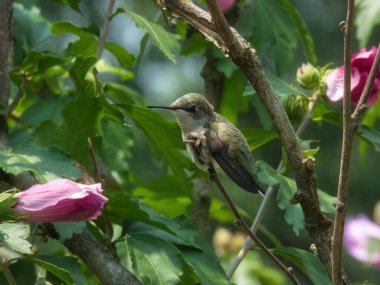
<point>197,138</point>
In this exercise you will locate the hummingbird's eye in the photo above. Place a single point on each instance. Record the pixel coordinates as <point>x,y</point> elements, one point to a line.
<point>191,109</point>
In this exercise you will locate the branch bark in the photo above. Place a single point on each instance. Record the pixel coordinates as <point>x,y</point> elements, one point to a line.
<point>238,49</point>
<point>6,53</point>
<point>96,257</point>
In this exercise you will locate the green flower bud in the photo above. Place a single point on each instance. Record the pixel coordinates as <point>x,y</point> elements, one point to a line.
<point>308,76</point>
<point>295,107</point>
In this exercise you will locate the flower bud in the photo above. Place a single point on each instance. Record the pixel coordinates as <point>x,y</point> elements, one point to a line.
<point>295,107</point>
<point>308,76</point>
<point>60,200</point>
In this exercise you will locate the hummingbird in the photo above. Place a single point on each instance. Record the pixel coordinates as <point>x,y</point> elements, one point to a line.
<point>210,137</point>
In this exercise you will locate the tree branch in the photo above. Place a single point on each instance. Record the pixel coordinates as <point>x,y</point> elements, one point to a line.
<point>246,58</point>
<point>6,54</point>
<point>270,191</point>
<point>344,171</point>
<point>243,226</point>
<point>96,257</point>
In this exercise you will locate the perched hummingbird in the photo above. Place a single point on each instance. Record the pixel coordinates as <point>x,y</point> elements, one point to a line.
<point>211,137</point>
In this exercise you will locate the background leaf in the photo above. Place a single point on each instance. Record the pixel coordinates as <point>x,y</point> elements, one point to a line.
<point>165,41</point>
<point>366,18</point>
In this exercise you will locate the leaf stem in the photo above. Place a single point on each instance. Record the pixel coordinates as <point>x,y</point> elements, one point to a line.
<point>244,227</point>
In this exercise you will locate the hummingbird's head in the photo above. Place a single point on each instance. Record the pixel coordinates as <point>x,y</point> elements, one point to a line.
<point>192,111</point>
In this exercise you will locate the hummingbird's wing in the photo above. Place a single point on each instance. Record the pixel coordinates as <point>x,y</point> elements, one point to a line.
<point>232,166</point>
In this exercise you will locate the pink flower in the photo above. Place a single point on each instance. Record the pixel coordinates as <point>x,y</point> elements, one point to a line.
<point>361,63</point>
<point>362,239</point>
<point>60,200</point>
<point>226,5</point>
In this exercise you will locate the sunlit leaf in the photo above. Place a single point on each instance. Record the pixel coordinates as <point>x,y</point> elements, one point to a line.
<point>155,259</point>
<point>308,263</point>
<point>165,41</point>
<point>45,163</point>
<point>14,236</point>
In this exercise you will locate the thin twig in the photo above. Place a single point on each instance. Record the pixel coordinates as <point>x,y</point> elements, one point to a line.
<point>7,273</point>
<point>108,231</point>
<point>19,95</point>
<point>105,30</point>
<point>336,258</point>
<point>270,191</point>
<point>244,227</point>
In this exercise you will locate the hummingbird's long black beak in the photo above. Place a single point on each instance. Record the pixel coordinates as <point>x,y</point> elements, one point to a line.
<point>160,107</point>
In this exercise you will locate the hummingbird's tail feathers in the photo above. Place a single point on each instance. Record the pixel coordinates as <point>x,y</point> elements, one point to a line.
<point>232,167</point>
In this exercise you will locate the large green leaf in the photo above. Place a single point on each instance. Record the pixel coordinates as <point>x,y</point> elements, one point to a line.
<point>233,102</point>
<point>165,41</point>
<point>303,31</point>
<point>65,268</point>
<point>370,135</point>
<point>155,259</point>
<point>366,18</point>
<point>308,263</point>
<point>45,163</point>
<point>79,119</point>
<point>274,32</point>
<point>30,29</point>
<point>74,4</point>
<point>66,230</point>
<point>124,58</point>
<point>205,266</point>
<point>258,137</point>
<point>164,137</point>
<point>123,207</point>
<point>14,236</point>
<point>287,187</point>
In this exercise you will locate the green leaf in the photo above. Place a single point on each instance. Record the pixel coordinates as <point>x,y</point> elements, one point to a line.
<point>123,207</point>
<point>155,259</point>
<point>287,187</point>
<point>308,263</point>
<point>165,41</point>
<point>366,19</point>
<point>277,34</point>
<point>74,4</point>
<point>124,58</point>
<point>66,268</point>
<point>66,230</point>
<point>83,73</point>
<point>327,202</point>
<point>370,135</point>
<point>79,119</point>
<point>30,29</point>
<point>123,94</point>
<point>196,44</point>
<point>370,118</point>
<point>65,27</point>
<point>303,31</point>
<point>164,137</point>
<point>233,102</point>
<point>258,137</point>
<point>117,143</point>
<point>7,200</point>
<point>36,63</point>
<point>45,163</point>
<point>14,236</point>
<point>205,266</point>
